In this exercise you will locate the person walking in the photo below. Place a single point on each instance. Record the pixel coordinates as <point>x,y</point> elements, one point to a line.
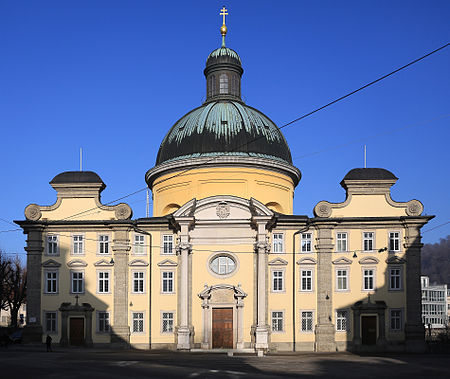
<point>48,342</point>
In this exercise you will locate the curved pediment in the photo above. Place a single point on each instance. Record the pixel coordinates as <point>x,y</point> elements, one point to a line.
<point>307,261</point>
<point>76,263</point>
<point>237,291</point>
<point>342,261</point>
<point>138,263</point>
<point>104,263</point>
<point>278,262</point>
<point>395,260</point>
<point>51,263</point>
<point>369,260</point>
<point>167,263</point>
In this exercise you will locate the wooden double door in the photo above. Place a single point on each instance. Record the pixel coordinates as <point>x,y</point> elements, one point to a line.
<point>369,330</point>
<point>222,328</point>
<point>76,333</point>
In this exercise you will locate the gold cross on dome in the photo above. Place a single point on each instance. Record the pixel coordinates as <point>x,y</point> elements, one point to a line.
<point>223,13</point>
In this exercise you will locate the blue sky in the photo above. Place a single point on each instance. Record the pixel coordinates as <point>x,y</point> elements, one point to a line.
<point>113,76</point>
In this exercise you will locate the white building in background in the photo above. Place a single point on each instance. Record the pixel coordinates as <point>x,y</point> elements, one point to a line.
<point>434,304</point>
<point>5,316</point>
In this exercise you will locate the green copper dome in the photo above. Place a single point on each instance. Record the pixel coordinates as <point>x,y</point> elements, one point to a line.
<point>223,52</point>
<point>224,128</point>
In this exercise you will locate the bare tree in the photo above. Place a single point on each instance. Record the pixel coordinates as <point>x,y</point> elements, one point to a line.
<point>5,266</point>
<point>16,284</point>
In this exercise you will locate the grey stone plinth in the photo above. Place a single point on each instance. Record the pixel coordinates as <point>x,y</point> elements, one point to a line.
<point>325,338</point>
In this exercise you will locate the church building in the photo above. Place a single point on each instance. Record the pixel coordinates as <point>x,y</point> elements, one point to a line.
<point>224,263</point>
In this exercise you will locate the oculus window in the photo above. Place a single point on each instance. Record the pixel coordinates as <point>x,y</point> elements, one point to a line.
<point>222,265</point>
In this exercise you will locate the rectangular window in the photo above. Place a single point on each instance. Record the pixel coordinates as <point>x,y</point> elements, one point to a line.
<point>368,238</point>
<point>278,242</point>
<point>167,282</point>
<point>342,279</point>
<point>168,244</point>
<point>167,322</point>
<point>77,279</point>
<point>50,322</point>
<point>103,322</point>
<point>306,280</point>
<point>394,241</point>
<point>277,281</point>
<point>368,277</point>
<point>277,321</point>
<point>103,244</point>
<point>139,244</point>
<point>138,322</point>
<point>51,282</point>
<point>78,245</point>
<point>307,321</point>
<point>341,242</point>
<point>396,319</point>
<point>138,282</point>
<point>306,242</point>
<point>52,245</point>
<point>341,320</point>
<point>395,279</point>
<point>103,281</point>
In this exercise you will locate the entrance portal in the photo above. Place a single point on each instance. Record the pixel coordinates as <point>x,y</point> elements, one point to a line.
<point>222,328</point>
<point>76,334</point>
<point>369,330</point>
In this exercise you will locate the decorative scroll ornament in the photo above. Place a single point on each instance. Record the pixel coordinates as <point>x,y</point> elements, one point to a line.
<point>322,209</point>
<point>262,246</point>
<point>414,208</point>
<point>223,209</point>
<point>123,211</point>
<point>33,212</point>
<point>183,246</point>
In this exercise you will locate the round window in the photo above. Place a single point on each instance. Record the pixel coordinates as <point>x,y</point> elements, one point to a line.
<point>222,265</point>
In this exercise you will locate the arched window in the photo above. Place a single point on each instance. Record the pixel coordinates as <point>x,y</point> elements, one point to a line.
<point>223,89</point>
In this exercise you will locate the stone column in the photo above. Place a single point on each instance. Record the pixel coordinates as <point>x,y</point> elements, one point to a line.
<point>120,335</point>
<point>381,327</point>
<point>240,323</point>
<point>88,337</point>
<point>64,341</point>
<point>34,249</point>
<point>183,250</point>
<point>261,248</point>
<point>324,330</point>
<point>356,326</point>
<point>414,329</point>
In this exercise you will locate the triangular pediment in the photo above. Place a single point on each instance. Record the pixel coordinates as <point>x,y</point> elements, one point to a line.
<point>342,261</point>
<point>369,260</point>
<point>307,261</point>
<point>167,263</point>
<point>278,262</point>
<point>76,263</point>
<point>51,263</point>
<point>103,263</point>
<point>138,263</point>
<point>395,260</point>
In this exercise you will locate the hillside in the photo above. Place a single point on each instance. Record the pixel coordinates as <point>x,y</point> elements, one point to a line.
<point>436,261</point>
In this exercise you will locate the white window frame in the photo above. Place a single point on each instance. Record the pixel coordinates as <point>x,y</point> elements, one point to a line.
<point>108,322</point>
<point>306,243</point>
<point>400,310</point>
<point>370,241</point>
<point>132,318</point>
<point>172,279</point>
<point>101,243</point>
<point>400,278</point>
<point>339,320</point>
<point>310,277</point>
<point>77,247</point>
<point>398,239</point>
<point>55,240</point>
<point>374,278</point>
<point>104,280</point>
<point>278,318</point>
<point>164,241</point>
<point>276,279</point>
<point>162,313</point>
<point>339,239</point>
<point>72,272</point>
<point>56,279</point>
<point>141,279</point>
<point>347,276</point>
<point>278,243</point>
<point>46,330</point>
<point>307,330</point>
<point>139,244</point>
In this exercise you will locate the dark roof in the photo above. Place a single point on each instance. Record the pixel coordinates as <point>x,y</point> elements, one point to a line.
<point>77,177</point>
<point>370,174</point>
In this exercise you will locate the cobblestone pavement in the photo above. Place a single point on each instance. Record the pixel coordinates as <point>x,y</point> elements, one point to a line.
<point>35,362</point>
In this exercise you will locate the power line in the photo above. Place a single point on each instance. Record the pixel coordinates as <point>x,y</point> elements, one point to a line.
<point>438,226</point>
